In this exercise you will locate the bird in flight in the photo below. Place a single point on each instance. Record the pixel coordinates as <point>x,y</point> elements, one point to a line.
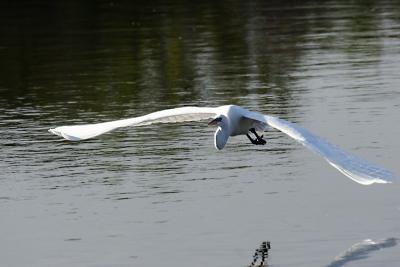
<point>232,120</point>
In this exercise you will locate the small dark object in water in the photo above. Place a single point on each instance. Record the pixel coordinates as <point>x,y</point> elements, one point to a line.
<point>262,253</point>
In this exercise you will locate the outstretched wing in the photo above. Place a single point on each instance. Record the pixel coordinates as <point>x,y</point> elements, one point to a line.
<point>86,131</point>
<point>352,166</point>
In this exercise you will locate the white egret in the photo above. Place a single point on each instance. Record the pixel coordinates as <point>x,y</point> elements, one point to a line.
<point>233,120</point>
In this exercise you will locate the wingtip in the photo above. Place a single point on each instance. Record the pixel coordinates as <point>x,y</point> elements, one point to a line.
<point>64,135</point>
<point>364,181</point>
<point>55,132</point>
<point>385,177</point>
<point>380,181</point>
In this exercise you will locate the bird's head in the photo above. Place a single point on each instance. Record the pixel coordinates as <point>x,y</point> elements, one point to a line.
<point>217,121</point>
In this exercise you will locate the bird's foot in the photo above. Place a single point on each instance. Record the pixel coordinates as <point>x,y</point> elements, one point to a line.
<point>258,140</point>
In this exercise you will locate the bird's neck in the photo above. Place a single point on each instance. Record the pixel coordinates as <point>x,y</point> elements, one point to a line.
<point>221,137</point>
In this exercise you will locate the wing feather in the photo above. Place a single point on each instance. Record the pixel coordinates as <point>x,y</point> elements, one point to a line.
<point>355,168</point>
<point>86,131</point>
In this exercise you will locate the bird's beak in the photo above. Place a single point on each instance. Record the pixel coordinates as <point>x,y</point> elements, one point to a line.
<point>212,123</point>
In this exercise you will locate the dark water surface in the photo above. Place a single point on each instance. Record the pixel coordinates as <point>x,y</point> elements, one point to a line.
<point>162,195</point>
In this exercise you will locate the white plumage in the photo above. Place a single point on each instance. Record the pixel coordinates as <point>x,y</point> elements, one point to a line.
<point>234,120</point>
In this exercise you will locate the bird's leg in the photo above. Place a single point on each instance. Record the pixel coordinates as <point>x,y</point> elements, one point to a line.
<point>259,139</point>
<point>253,141</point>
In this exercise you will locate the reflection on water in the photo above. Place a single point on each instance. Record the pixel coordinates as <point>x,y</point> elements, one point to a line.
<point>331,66</point>
<point>361,250</point>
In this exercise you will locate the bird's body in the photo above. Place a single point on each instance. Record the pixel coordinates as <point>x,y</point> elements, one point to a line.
<point>232,120</point>
<point>239,122</point>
